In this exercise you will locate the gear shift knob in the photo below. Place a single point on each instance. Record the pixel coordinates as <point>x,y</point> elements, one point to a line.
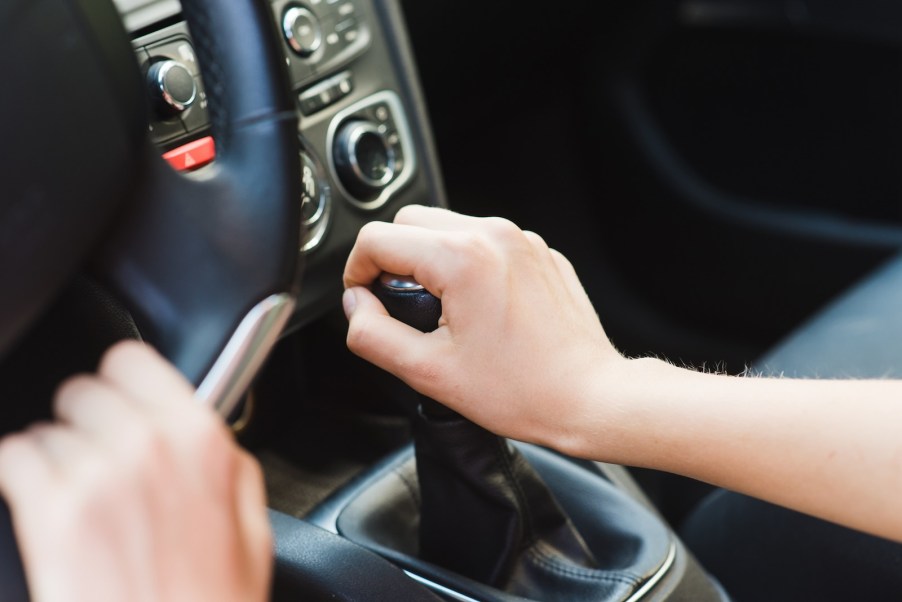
<point>408,301</point>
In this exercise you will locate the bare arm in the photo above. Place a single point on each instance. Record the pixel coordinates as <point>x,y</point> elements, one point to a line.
<point>827,448</point>
<point>531,361</point>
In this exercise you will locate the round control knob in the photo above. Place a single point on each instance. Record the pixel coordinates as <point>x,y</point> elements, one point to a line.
<point>314,195</point>
<point>364,159</point>
<point>302,31</point>
<point>172,86</point>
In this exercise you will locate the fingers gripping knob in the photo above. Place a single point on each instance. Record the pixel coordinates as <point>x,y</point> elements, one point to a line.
<point>408,301</point>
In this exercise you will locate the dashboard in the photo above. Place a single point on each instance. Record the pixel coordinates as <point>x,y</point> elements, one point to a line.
<point>367,149</point>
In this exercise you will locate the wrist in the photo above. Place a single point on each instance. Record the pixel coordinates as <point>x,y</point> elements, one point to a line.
<point>626,415</point>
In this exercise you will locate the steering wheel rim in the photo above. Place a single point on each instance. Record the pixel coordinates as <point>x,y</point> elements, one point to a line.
<point>198,260</point>
<point>209,264</point>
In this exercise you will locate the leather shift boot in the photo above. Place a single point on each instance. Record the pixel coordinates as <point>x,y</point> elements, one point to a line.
<point>484,510</point>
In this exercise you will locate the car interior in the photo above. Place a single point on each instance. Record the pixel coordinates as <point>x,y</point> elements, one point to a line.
<point>720,173</point>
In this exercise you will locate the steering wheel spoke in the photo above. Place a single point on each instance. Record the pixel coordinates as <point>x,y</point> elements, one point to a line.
<point>195,258</point>
<point>209,263</point>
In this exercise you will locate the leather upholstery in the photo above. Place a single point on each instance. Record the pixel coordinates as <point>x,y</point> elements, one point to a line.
<point>484,512</point>
<point>856,336</point>
<point>627,542</point>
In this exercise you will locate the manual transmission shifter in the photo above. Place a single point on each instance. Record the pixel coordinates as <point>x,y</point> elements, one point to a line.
<point>484,512</point>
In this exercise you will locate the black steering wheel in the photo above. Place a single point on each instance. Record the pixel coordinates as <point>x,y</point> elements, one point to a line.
<point>208,264</point>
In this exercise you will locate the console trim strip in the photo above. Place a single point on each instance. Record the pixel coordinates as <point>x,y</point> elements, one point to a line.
<point>639,594</point>
<point>450,593</point>
<point>407,146</point>
<point>657,577</point>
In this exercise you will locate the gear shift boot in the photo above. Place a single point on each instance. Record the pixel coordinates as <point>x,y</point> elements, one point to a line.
<point>632,547</point>
<point>483,509</point>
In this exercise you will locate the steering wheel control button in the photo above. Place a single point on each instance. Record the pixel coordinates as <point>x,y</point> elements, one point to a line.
<point>326,93</point>
<point>172,88</point>
<point>363,158</point>
<point>302,30</point>
<point>193,155</point>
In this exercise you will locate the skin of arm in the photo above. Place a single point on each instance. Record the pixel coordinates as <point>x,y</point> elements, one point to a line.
<point>521,351</point>
<point>136,492</point>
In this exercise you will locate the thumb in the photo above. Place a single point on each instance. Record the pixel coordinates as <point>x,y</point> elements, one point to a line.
<point>389,344</point>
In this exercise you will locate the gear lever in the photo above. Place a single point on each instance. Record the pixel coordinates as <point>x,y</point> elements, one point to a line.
<point>484,512</point>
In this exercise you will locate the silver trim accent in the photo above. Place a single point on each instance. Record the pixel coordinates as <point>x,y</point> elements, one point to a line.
<point>317,233</point>
<point>656,578</point>
<point>357,130</point>
<point>179,105</point>
<point>243,355</point>
<point>410,155</point>
<point>440,588</point>
<point>400,283</point>
<point>291,17</point>
<point>308,162</point>
<point>635,597</point>
<point>319,223</point>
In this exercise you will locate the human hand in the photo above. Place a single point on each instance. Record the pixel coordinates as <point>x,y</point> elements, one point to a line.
<point>519,346</point>
<point>136,492</point>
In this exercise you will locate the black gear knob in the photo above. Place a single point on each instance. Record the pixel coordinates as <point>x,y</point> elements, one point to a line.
<point>408,301</point>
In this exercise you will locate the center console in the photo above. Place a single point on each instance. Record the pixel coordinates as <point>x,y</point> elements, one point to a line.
<point>367,151</point>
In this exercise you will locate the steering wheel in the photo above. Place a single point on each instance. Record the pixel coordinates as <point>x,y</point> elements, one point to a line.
<point>208,263</point>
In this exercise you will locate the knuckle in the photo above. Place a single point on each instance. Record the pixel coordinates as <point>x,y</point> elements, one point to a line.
<point>502,228</point>
<point>470,247</point>
<point>560,257</point>
<point>358,333</point>
<point>122,353</point>
<point>72,390</point>
<point>12,446</point>
<point>468,255</point>
<point>406,213</point>
<point>536,240</point>
<point>369,232</point>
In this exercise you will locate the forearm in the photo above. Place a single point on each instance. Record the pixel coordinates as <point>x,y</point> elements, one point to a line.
<point>531,361</point>
<point>832,449</point>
